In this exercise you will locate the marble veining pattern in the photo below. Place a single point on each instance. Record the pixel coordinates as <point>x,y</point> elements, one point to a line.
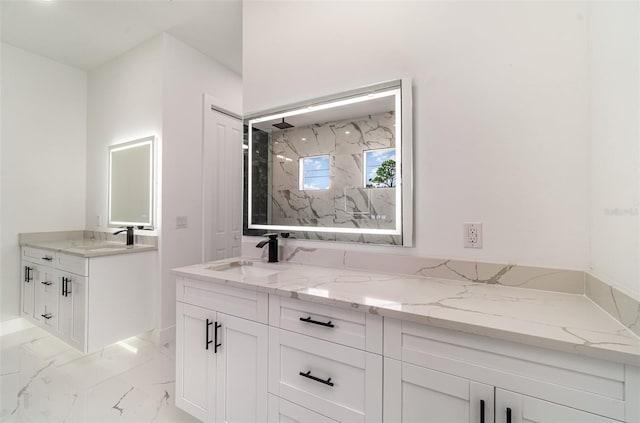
<point>347,203</point>
<point>565,322</point>
<point>44,380</point>
<point>569,281</point>
<point>615,302</point>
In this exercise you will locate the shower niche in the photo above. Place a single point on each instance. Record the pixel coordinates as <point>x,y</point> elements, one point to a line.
<point>337,168</point>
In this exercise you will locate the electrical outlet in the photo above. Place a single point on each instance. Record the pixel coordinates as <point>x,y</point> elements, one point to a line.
<point>181,222</point>
<point>472,234</point>
<point>98,220</point>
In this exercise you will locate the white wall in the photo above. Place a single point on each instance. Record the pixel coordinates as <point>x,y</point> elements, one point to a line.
<point>43,156</point>
<point>500,109</point>
<point>187,76</point>
<point>615,151</point>
<point>124,103</point>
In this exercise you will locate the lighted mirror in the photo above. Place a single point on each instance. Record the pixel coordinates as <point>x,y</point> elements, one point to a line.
<point>131,171</point>
<point>337,168</point>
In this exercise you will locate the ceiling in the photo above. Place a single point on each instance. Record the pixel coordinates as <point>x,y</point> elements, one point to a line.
<point>88,33</point>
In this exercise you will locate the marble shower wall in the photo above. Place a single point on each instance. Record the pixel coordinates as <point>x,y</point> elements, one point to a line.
<point>347,203</point>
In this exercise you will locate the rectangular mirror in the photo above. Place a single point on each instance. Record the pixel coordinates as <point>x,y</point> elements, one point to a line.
<point>337,168</point>
<point>131,182</point>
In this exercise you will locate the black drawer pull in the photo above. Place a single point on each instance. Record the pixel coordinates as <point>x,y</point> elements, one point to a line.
<point>46,316</point>
<point>508,415</point>
<point>47,258</point>
<point>315,322</point>
<point>47,283</point>
<point>481,411</point>
<point>317,379</point>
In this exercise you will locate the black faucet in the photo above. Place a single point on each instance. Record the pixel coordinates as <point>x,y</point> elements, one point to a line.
<point>273,246</point>
<point>129,234</point>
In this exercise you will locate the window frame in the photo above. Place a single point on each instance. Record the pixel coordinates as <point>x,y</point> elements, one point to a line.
<point>365,167</point>
<point>301,178</point>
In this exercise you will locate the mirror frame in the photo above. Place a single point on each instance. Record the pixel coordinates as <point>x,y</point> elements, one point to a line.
<point>152,155</point>
<point>402,90</point>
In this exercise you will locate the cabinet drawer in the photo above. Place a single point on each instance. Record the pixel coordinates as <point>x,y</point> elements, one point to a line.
<point>584,383</point>
<point>251,305</point>
<point>342,383</point>
<point>352,328</point>
<point>73,264</point>
<point>283,411</point>
<point>39,256</point>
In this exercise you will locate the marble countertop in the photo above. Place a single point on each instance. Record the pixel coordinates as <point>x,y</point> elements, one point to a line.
<point>559,321</point>
<point>88,247</point>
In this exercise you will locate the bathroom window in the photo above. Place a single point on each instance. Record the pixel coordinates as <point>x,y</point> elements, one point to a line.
<point>314,173</point>
<point>380,168</point>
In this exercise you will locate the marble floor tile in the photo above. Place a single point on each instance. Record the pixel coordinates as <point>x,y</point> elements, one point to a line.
<point>42,379</point>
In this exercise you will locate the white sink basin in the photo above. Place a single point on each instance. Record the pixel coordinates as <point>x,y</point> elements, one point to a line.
<point>246,268</point>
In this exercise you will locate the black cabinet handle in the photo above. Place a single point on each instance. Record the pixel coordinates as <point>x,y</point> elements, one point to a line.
<point>206,331</point>
<point>317,379</point>
<point>46,316</point>
<point>315,322</point>
<point>508,415</point>
<point>48,283</point>
<point>47,258</point>
<point>215,338</point>
<point>27,274</point>
<point>481,411</point>
<point>65,286</point>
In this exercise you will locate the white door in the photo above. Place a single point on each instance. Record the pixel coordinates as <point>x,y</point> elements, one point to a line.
<point>241,385</point>
<point>195,361</point>
<point>283,411</point>
<point>417,394</point>
<point>517,408</point>
<point>221,184</point>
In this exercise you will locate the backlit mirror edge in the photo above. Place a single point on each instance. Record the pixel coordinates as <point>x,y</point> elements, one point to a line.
<point>404,85</point>
<point>150,225</point>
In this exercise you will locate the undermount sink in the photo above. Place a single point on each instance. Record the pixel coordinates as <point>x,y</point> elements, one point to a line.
<point>245,268</point>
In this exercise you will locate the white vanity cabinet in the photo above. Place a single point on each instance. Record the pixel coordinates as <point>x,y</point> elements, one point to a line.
<point>62,296</point>
<point>221,352</point>
<point>437,375</point>
<point>325,359</point>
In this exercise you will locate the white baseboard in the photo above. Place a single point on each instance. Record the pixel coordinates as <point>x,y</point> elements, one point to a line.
<point>163,336</point>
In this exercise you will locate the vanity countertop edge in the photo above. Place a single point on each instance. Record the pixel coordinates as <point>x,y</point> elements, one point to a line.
<point>82,248</point>
<point>564,322</point>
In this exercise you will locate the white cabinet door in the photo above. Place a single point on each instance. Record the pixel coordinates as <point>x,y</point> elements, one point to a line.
<point>283,411</point>
<point>417,394</point>
<point>516,408</point>
<point>195,361</point>
<point>28,291</point>
<point>241,384</point>
<point>72,309</point>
